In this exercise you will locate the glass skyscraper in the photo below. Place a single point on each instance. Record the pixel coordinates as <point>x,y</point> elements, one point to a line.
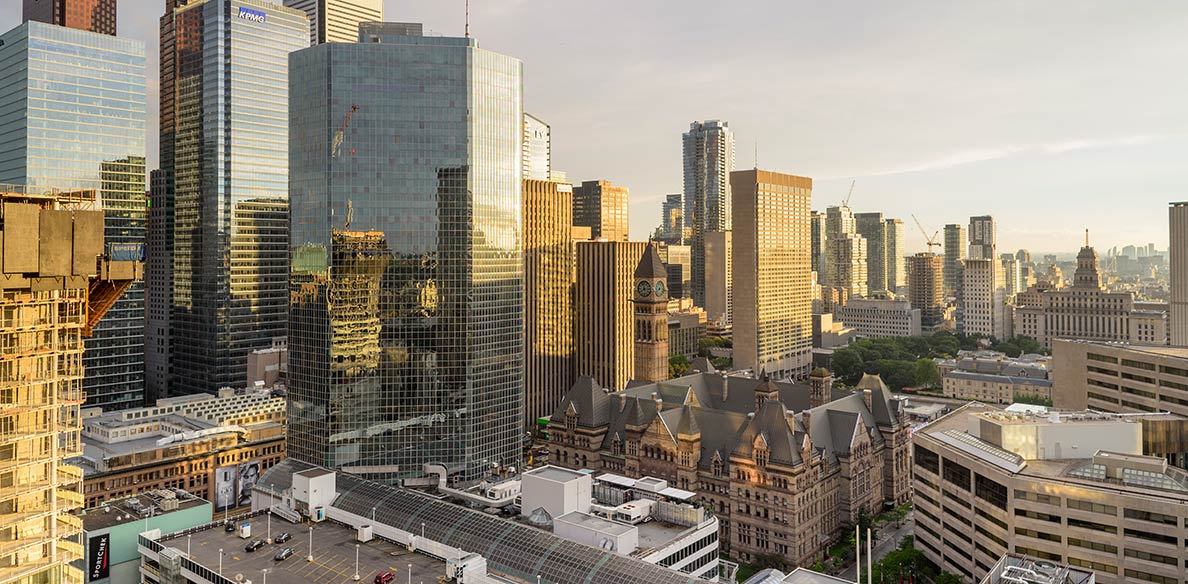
<point>225,175</point>
<point>708,153</point>
<point>73,118</point>
<point>406,315</point>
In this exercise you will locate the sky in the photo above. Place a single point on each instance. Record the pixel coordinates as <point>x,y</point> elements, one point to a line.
<point>1054,117</point>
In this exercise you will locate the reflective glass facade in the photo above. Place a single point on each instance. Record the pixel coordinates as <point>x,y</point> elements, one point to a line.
<point>406,324</point>
<point>229,188</point>
<point>76,120</point>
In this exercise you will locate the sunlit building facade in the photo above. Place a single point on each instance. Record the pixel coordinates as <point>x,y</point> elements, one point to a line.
<point>538,148</point>
<point>708,155</point>
<point>548,296</point>
<point>337,21</point>
<point>420,223</point>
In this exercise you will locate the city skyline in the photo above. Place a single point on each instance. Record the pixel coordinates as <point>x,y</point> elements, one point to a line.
<point>1039,142</point>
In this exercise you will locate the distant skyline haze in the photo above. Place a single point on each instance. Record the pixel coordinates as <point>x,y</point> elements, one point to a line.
<point>1054,117</point>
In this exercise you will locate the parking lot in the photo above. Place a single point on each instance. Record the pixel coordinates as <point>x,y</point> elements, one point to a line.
<point>333,556</point>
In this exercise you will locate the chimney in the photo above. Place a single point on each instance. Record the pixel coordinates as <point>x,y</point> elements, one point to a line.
<point>867,397</point>
<point>725,387</point>
<point>622,401</point>
<point>806,418</point>
<point>659,402</point>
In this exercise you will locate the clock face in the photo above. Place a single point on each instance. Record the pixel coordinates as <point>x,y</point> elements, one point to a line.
<point>643,288</point>
<point>659,289</point>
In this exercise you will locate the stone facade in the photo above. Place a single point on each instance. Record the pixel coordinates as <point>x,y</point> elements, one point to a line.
<point>784,469</point>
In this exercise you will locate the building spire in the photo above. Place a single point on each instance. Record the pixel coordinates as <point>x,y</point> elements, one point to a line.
<point>1086,238</point>
<point>467,18</point>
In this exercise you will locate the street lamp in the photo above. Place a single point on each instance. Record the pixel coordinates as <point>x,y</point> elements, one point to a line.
<point>265,570</point>
<point>410,574</point>
<point>356,561</point>
<point>310,558</point>
<point>422,530</point>
<point>373,515</point>
<point>220,561</point>
<point>187,546</point>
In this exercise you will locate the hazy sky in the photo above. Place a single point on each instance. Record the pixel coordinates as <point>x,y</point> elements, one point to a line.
<point>1052,116</point>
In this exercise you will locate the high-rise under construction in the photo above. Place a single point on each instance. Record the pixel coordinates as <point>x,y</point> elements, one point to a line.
<point>58,280</point>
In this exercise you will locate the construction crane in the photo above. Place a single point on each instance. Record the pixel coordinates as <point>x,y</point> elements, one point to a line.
<point>846,203</point>
<point>340,134</point>
<point>931,240</point>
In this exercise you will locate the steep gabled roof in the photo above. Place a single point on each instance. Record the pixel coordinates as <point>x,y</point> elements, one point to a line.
<point>589,400</point>
<point>688,425</point>
<point>650,267</point>
<point>770,422</point>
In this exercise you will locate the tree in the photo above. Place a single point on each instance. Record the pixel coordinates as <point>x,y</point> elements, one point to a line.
<point>678,365</point>
<point>947,578</point>
<point>848,366</point>
<point>1011,349</point>
<point>927,373</point>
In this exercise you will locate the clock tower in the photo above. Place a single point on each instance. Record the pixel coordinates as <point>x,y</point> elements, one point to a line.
<point>651,317</point>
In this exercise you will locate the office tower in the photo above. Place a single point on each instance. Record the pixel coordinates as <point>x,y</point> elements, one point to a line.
<point>719,279</point>
<point>1178,269</point>
<point>873,228</point>
<point>337,21</point>
<point>926,289</point>
<point>1130,251</point>
<point>708,152</point>
<point>984,298</point>
<point>650,297</point>
<point>98,16</point>
<point>54,291</point>
<point>1012,275</point>
<point>678,262</point>
<point>602,207</point>
<point>548,296</point>
<point>819,246</point>
<point>896,255</point>
<point>672,220</point>
<point>845,252</point>
<point>773,329</point>
<point>1023,256</point>
<point>983,238</point>
<point>61,133</point>
<point>954,254</point>
<point>538,148</point>
<point>224,173</point>
<point>441,206</point>
<point>1080,487</point>
<point>603,328</point>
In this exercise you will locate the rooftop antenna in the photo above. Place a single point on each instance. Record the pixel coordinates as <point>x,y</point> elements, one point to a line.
<point>756,155</point>
<point>467,18</point>
<point>1086,238</point>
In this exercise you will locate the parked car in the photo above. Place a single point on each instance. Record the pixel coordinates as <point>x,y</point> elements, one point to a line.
<point>229,528</point>
<point>255,545</point>
<point>282,538</point>
<point>285,553</point>
<point>384,577</point>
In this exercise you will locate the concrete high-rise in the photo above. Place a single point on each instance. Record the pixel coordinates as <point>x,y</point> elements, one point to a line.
<point>538,149</point>
<point>337,21</point>
<point>954,254</point>
<point>225,175</point>
<point>604,333</point>
<point>602,207</point>
<point>406,331</point>
<point>678,262</point>
<point>708,152</point>
<point>845,252</point>
<point>1178,267</point>
<point>819,245</point>
<point>57,281</point>
<point>672,221</point>
<point>773,328</point>
<point>650,297</point>
<point>926,289</point>
<point>548,296</point>
<point>719,279</point>
<point>61,133</point>
<point>97,16</point>
<point>984,298</point>
<point>896,255</point>
<point>873,228</point>
<point>983,238</point>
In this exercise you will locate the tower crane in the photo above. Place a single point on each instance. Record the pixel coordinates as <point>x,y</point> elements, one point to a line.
<point>931,240</point>
<point>846,202</point>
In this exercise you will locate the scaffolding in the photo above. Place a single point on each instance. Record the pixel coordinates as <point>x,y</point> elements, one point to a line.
<point>52,257</point>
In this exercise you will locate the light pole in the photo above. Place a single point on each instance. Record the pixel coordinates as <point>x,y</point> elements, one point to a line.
<point>373,515</point>
<point>356,561</point>
<point>422,530</point>
<point>270,524</point>
<point>310,558</point>
<point>187,546</point>
<point>410,574</point>
<point>220,561</point>
<point>265,570</point>
<point>538,579</point>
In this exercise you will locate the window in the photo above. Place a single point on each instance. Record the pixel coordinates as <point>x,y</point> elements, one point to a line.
<point>927,459</point>
<point>990,491</point>
<point>1092,507</point>
<point>1073,522</point>
<point>1151,516</point>
<point>956,474</point>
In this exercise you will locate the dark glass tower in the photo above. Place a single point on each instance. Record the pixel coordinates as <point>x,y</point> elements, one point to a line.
<point>224,177</point>
<point>406,325</point>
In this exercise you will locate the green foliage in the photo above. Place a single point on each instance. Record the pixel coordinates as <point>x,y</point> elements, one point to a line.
<point>678,365</point>
<point>1033,399</point>
<point>722,363</point>
<point>908,361</point>
<point>947,578</point>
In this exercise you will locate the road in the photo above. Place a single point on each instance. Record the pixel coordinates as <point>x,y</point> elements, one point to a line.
<point>886,540</point>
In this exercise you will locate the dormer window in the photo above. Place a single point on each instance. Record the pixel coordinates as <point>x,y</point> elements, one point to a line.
<point>761,456</point>
<point>717,467</point>
<point>571,420</point>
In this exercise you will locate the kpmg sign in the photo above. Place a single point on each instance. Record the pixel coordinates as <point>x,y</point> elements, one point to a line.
<point>252,15</point>
<point>98,558</point>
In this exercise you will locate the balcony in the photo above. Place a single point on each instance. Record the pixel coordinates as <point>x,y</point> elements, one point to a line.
<point>72,575</point>
<point>68,473</point>
<point>68,551</point>
<point>68,525</point>
<point>68,500</point>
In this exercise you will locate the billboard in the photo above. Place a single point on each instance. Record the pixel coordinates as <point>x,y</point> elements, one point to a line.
<point>98,557</point>
<point>249,473</point>
<point>225,493</point>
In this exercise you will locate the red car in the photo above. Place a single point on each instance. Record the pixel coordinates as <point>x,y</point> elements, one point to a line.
<point>384,577</point>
